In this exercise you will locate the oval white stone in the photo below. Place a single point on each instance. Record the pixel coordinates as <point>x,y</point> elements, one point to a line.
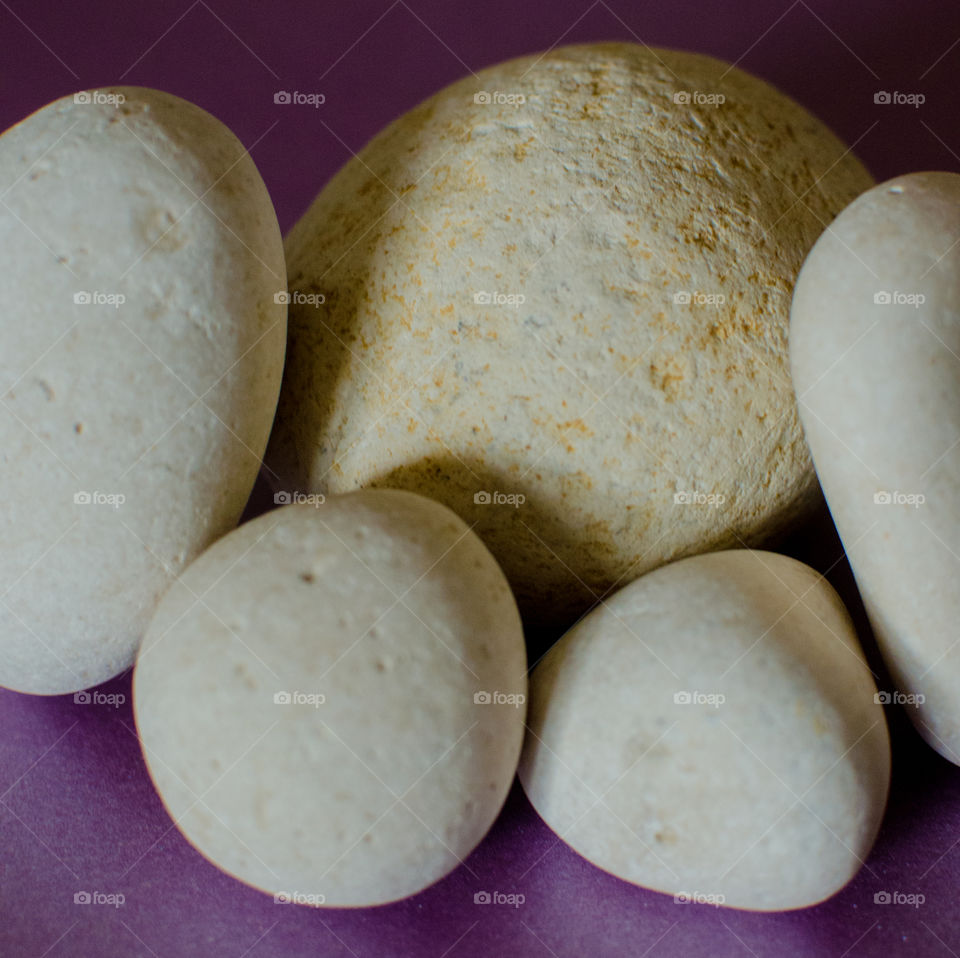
<point>142,351</point>
<point>331,699</point>
<point>875,351</point>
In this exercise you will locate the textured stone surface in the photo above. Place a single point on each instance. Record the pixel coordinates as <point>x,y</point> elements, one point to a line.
<point>142,351</point>
<point>711,731</point>
<point>393,633</point>
<point>584,203</point>
<point>876,360</point>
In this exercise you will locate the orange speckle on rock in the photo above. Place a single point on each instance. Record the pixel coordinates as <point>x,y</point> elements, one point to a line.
<point>577,424</point>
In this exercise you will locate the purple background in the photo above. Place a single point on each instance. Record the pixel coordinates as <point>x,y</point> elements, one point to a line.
<point>77,811</point>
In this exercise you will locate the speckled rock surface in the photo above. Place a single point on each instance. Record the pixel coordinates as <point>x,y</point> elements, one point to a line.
<point>338,719</point>
<point>567,280</point>
<point>876,360</point>
<point>141,357</point>
<point>712,732</point>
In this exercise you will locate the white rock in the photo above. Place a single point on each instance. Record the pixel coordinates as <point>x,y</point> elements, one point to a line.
<point>390,636</point>
<point>711,732</point>
<point>554,281</point>
<point>875,350</point>
<point>141,351</point>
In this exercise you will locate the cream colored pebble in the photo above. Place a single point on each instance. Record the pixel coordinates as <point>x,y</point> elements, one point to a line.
<point>331,699</point>
<point>554,297</point>
<point>875,349</point>
<point>712,732</point>
<point>141,361</point>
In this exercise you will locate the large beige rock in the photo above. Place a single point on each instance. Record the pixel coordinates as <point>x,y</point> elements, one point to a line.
<point>876,360</point>
<point>521,283</point>
<point>331,699</point>
<point>141,350</point>
<point>712,732</point>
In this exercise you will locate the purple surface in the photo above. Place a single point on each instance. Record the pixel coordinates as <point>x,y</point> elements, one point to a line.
<point>77,810</point>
